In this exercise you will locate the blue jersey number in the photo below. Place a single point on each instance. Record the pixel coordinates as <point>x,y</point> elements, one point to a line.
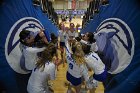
<point>70,66</point>
<point>95,57</point>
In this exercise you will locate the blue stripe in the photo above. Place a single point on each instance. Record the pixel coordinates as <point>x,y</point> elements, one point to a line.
<point>73,80</point>
<point>101,77</point>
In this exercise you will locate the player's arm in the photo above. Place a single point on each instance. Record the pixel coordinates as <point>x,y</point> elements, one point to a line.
<point>85,72</point>
<point>35,49</point>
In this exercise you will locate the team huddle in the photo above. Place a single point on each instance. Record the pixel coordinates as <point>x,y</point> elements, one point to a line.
<point>42,59</point>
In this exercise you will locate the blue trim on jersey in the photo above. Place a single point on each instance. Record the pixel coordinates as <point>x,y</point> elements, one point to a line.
<point>100,77</point>
<point>67,49</point>
<point>73,80</point>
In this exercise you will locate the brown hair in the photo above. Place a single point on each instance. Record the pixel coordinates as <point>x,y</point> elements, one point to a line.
<point>46,56</point>
<point>23,35</point>
<point>61,26</point>
<point>91,38</point>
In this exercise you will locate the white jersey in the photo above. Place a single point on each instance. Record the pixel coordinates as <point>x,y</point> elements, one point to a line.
<point>62,36</point>
<point>71,34</point>
<point>74,69</point>
<point>76,34</point>
<point>94,62</point>
<point>94,47</point>
<point>38,80</point>
<point>30,55</point>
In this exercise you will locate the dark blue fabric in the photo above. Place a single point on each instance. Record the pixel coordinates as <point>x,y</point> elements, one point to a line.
<point>8,81</point>
<point>73,80</point>
<point>11,12</point>
<point>100,77</point>
<point>62,44</point>
<point>127,80</point>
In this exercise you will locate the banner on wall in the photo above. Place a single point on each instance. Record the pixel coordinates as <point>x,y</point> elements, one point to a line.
<point>73,12</point>
<point>69,4</point>
<point>73,4</point>
<point>17,15</point>
<point>116,29</point>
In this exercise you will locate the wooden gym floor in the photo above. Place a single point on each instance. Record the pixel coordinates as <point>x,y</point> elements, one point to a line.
<point>59,84</point>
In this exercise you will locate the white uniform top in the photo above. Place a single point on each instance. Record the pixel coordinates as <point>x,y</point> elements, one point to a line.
<point>30,54</point>
<point>62,35</point>
<point>72,34</point>
<point>76,34</point>
<point>93,61</point>
<point>74,69</point>
<point>38,80</point>
<point>94,47</point>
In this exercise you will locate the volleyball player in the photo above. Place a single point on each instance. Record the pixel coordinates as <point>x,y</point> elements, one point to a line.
<point>44,71</point>
<point>76,66</point>
<point>28,48</point>
<point>94,62</point>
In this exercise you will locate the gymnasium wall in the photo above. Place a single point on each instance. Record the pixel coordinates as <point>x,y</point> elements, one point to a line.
<point>117,33</point>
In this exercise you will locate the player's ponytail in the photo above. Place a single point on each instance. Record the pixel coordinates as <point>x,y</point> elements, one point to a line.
<point>46,56</point>
<point>78,53</point>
